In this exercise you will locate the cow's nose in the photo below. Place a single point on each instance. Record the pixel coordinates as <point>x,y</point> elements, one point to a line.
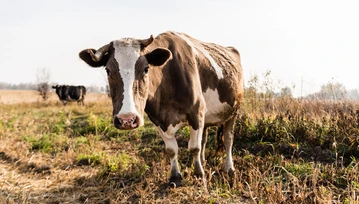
<point>117,123</point>
<point>126,121</point>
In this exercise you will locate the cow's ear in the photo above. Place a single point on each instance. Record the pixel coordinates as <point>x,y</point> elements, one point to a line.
<point>158,56</point>
<point>86,56</point>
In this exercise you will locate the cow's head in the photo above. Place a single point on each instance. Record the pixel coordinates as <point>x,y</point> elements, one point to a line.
<point>128,69</point>
<point>62,92</point>
<point>58,90</point>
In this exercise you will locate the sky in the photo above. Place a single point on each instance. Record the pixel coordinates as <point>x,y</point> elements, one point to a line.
<point>304,44</point>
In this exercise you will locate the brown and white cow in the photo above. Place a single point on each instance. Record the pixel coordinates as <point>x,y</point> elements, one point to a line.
<point>177,80</point>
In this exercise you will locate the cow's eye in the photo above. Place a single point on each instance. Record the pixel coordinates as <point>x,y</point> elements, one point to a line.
<point>145,71</point>
<point>107,71</point>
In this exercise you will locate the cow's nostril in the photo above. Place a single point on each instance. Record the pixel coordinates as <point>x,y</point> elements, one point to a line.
<point>117,122</point>
<point>136,120</point>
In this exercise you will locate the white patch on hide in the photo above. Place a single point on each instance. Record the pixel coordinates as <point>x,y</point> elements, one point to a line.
<point>215,108</point>
<point>215,66</point>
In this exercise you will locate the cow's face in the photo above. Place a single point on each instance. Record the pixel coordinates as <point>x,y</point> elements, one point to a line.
<point>58,90</point>
<point>62,92</point>
<point>129,73</point>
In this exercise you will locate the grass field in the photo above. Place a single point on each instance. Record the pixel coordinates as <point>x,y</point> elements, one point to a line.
<point>285,151</point>
<point>26,96</point>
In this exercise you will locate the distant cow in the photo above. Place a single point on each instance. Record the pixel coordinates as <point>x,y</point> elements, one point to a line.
<point>177,80</point>
<point>70,93</point>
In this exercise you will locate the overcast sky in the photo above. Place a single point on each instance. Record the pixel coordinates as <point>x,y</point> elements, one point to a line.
<point>313,40</point>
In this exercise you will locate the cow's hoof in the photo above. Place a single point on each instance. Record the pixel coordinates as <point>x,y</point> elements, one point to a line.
<point>198,171</point>
<point>175,180</point>
<point>229,171</point>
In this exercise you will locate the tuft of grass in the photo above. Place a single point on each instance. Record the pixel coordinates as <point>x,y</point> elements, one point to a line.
<point>299,169</point>
<point>92,159</point>
<point>124,165</point>
<point>48,143</point>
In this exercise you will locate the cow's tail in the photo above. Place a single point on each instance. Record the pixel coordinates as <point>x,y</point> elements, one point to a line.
<point>83,90</point>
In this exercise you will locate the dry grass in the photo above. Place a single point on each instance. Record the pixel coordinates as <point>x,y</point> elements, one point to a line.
<point>285,151</point>
<point>26,96</point>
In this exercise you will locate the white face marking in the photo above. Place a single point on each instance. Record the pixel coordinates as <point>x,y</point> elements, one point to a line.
<point>215,66</point>
<point>214,107</point>
<point>126,57</point>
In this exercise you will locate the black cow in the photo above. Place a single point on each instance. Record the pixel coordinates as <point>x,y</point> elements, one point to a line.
<point>70,93</point>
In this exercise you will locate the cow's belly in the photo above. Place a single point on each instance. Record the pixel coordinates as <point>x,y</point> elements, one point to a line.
<point>72,98</point>
<point>217,112</point>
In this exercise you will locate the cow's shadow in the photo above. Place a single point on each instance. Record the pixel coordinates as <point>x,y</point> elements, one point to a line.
<point>25,167</point>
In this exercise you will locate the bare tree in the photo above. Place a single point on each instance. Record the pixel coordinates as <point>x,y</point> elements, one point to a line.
<point>331,91</point>
<point>286,92</point>
<point>43,82</point>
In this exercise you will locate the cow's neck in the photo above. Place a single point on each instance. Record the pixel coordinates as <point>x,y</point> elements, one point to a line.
<point>154,95</point>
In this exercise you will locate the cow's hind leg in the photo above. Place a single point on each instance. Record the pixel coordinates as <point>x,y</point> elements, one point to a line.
<point>220,138</point>
<point>172,153</point>
<point>228,130</point>
<point>80,102</point>
<point>204,142</point>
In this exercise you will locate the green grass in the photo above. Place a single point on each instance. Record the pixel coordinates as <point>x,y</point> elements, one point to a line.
<point>299,169</point>
<point>92,159</point>
<point>293,152</point>
<point>47,143</point>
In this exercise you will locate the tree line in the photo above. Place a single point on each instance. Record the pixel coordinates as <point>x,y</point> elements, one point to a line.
<point>20,86</point>
<point>329,91</point>
<point>34,86</point>
<point>264,87</point>
<point>257,87</point>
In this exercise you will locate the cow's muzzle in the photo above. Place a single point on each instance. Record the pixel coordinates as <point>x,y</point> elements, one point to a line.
<point>126,122</point>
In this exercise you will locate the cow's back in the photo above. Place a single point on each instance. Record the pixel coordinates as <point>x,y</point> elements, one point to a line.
<point>197,69</point>
<point>228,80</point>
<point>221,78</point>
<point>75,93</point>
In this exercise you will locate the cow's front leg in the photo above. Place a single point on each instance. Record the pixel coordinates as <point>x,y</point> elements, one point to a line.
<point>194,145</point>
<point>172,152</point>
